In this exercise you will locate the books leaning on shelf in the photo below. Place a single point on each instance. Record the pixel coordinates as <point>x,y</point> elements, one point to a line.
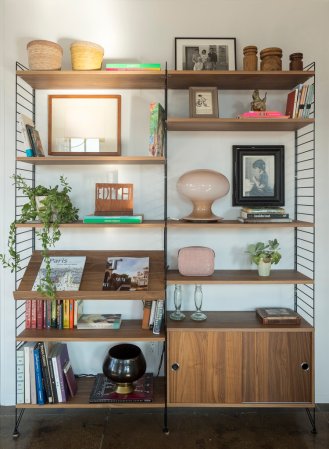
<point>263,215</point>
<point>300,100</point>
<point>278,315</point>
<point>66,272</point>
<point>126,273</point>
<point>157,130</point>
<point>41,373</point>
<point>132,67</point>
<point>123,219</point>
<point>99,321</point>
<point>103,390</point>
<point>153,314</point>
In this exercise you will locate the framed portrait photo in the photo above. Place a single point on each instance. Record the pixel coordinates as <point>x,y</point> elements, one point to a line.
<point>84,125</point>
<point>205,53</point>
<point>203,102</point>
<point>258,175</point>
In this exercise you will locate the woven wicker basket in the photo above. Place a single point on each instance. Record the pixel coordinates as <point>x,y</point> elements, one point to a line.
<point>86,56</point>
<point>44,55</point>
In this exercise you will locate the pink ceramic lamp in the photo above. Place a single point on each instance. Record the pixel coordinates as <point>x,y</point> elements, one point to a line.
<point>203,187</point>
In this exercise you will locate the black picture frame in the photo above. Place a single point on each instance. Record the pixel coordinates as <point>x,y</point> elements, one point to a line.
<point>222,49</point>
<point>258,175</point>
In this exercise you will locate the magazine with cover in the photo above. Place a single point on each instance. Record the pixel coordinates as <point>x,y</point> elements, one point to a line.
<point>66,272</point>
<point>99,321</point>
<point>126,273</point>
<point>104,390</point>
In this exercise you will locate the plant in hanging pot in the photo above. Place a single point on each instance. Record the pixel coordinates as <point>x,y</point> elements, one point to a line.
<point>264,255</point>
<point>51,206</point>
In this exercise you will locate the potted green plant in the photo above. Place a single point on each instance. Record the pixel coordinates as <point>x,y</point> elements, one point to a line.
<point>51,206</point>
<point>264,255</point>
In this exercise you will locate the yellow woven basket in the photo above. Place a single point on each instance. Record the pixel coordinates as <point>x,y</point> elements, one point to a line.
<point>86,56</point>
<point>44,55</point>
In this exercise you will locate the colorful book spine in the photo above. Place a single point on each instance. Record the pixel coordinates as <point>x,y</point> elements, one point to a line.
<point>27,380</point>
<point>45,372</point>
<point>146,314</point>
<point>124,219</point>
<point>66,314</point>
<point>71,314</point>
<point>159,312</point>
<point>20,381</point>
<point>52,380</point>
<point>270,215</point>
<point>122,66</point>
<point>40,306</point>
<point>38,376</point>
<point>28,313</point>
<point>56,377</point>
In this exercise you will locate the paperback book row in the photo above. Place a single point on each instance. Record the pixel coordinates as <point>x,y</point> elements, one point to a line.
<point>153,314</point>
<point>264,215</point>
<point>57,314</point>
<point>300,100</point>
<point>44,374</point>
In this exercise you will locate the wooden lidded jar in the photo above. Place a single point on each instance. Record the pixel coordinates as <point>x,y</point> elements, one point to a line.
<point>250,59</point>
<point>271,59</point>
<point>296,61</point>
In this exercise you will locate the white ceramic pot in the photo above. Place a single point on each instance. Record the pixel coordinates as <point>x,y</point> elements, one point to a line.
<point>38,200</point>
<point>264,268</point>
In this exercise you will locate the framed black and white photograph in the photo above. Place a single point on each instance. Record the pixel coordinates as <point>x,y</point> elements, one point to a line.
<point>203,102</point>
<point>258,175</point>
<point>205,53</point>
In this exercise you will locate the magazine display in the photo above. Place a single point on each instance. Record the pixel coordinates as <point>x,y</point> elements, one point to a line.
<point>126,273</point>
<point>66,272</point>
<point>99,321</point>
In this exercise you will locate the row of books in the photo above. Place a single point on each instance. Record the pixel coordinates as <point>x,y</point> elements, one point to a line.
<point>153,314</point>
<point>44,374</point>
<point>58,314</point>
<point>300,100</point>
<point>264,215</point>
<point>131,67</point>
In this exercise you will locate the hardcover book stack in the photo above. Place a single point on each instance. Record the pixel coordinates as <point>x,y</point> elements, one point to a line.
<point>300,100</point>
<point>264,215</point>
<point>263,114</point>
<point>44,374</point>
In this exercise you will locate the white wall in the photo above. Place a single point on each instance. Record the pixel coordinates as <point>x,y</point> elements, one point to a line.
<point>144,30</point>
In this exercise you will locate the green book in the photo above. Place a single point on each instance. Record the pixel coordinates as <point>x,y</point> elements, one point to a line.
<point>94,219</point>
<point>133,66</point>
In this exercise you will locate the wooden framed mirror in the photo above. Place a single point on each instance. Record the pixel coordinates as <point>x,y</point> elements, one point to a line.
<point>84,125</point>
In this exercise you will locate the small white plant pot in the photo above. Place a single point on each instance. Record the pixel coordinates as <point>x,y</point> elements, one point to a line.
<point>40,206</point>
<point>264,268</point>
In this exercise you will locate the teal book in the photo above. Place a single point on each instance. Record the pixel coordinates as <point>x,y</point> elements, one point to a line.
<point>123,66</point>
<point>120,219</point>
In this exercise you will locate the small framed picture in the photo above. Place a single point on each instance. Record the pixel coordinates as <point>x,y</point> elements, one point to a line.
<point>258,175</point>
<point>203,102</point>
<point>35,141</point>
<point>205,53</point>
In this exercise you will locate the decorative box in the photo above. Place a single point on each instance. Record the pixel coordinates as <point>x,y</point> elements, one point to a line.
<point>196,261</point>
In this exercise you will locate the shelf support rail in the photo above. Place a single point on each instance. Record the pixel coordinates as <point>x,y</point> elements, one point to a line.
<point>304,295</point>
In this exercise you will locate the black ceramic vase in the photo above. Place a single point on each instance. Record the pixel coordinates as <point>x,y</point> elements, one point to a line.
<point>124,364</point>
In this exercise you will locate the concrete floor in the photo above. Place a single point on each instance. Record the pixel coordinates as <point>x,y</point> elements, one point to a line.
<point>137,429</point>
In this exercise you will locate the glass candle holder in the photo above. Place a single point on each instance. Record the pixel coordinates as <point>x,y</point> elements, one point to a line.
<point>198,298</point>
<point>177,315</point>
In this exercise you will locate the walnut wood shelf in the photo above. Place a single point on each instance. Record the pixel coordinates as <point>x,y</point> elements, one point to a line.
<point>238,79</point>
<point>81,400</point>
<point>98,79</point>
<point>93,275</point>
<point>102,79</point>
<point>236,124</point>
<point>237,224</point>
<point>80,224</point>
<point>235,321</point>
<point>130,330</point>
<point>241,277</point>
<point>92,160</point>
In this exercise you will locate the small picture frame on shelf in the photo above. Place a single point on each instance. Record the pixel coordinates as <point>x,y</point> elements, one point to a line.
<point>35,141</point>
<point>203,102</point>
<point>258,175</point>
<point>205,53</point>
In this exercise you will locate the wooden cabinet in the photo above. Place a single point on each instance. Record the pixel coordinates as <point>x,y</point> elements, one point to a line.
<point>234,360</point>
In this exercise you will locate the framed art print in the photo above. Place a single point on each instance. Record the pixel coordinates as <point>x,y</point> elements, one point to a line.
<point>258,175</point>
<point>203,102</point>
<point>205,53</point>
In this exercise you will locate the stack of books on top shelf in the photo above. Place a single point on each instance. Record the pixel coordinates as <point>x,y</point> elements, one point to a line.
<point>44,374</point>
<point>132,66</point>
<point>264,215</point>
<point>300,100</point>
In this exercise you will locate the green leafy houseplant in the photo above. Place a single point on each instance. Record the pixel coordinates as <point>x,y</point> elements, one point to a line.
<point>53,208</point>
<point>266,252</point>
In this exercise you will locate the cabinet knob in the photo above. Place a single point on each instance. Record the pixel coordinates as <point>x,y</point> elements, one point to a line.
<point>175,366</point>
<point>305,366</point>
